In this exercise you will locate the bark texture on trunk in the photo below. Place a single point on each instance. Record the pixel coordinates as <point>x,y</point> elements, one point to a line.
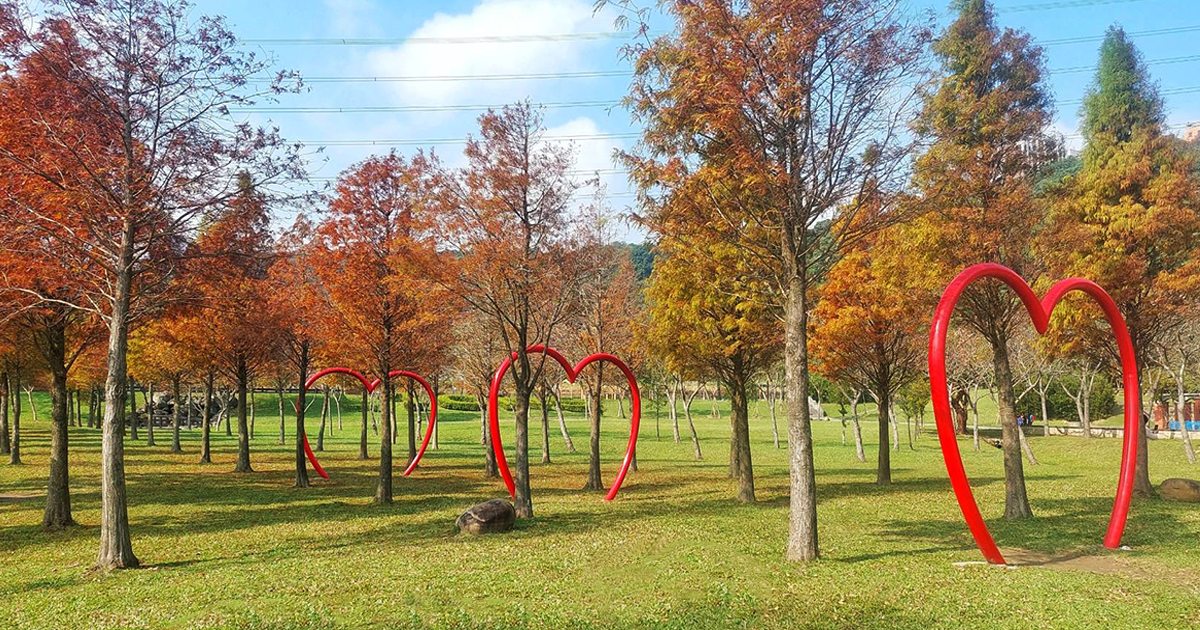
<point>14,453</point>
<point>594,482</point>
<point>802,515</point>
<point>739,413</point>
<point>177,409</point>
<point>1016,502</point>
<point>523,501</point>
<point>562,421</point>
<point>243,459</point>
<point>362,434</point>
<point>412,423</point>
<point>543,398</point>
<point>1141,475</point>
<point>57,514</point>
<point>206,422</point>
<point>301,465</point>
<point>116,548</point>
<point>883,470</point>
<point>383,488</point>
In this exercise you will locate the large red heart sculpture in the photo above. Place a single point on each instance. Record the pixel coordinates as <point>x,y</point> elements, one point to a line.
<point>1040,312</point>
<point>370,388</point>
<point>572,374</point>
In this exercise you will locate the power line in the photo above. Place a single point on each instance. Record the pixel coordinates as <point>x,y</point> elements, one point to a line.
<point>466,39</point>
<point>1060,4</point>
<point>388,109</point>
<point>444,141</point>
<point>1152,62</point>
<point>1191,89</point>
<point>1096,38</point>
<point>535,76</point>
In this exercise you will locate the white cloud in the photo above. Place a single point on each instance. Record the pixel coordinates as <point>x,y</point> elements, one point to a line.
<point>490,18</point>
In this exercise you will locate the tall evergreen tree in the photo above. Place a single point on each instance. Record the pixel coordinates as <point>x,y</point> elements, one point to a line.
<point>986,120</point>
<point>1129,218</point>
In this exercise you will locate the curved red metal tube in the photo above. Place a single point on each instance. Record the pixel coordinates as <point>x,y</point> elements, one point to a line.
<point>370,386</point>
<point>1040,312</point>
<point>572,374</point>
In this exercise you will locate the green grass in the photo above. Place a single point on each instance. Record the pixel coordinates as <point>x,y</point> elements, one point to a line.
<point>673,551</point>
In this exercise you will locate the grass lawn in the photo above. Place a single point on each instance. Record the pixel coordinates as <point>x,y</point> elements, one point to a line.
<point>674,550</point>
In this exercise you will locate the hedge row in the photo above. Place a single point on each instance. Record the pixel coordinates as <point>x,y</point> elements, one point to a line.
<point>464,402</point>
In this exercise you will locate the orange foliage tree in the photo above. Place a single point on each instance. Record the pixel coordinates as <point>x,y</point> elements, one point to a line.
<point>373,243</point>
<point>868,328</point>
<point>770,116</point>
<point>508,221</point>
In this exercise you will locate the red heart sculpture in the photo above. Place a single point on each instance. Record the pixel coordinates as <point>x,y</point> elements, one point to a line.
<point>572,374</point>
<point>1040,312</point>
<point>370,388</point>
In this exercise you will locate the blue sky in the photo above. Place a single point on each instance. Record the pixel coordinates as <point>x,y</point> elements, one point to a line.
<point>396,20</point>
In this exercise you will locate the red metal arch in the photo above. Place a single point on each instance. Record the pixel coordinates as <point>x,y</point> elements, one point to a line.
<point>1040,312</point>
<point>370,386</point>
<point>572,374</point>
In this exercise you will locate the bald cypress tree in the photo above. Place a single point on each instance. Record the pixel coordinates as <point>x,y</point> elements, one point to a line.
<point>1129,217</point>
<point>986,121</point>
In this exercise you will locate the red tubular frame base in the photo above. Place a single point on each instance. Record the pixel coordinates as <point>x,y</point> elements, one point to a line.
<point>572,374</point>
<point>370,386</point>
<point>1040,312</point>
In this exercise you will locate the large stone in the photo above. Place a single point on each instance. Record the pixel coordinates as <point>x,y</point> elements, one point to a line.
<point>1178,489</point>
<point>489,517</point>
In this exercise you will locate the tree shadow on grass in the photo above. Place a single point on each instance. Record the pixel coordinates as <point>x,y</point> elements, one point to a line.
<point>1075,525</point>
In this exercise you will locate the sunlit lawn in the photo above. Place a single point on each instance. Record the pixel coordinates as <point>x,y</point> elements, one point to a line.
<point>673,551</point>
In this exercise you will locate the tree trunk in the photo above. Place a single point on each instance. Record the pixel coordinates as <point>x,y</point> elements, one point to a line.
<point>362,434</point>
<point>772,402</point>
<point>739,412</point>
<point>324,417</point>
<point>1045,416</point>
<point>544,399</point>
<point>594,482</point>
<point>190,421</point>
<point>1016,502</point>
<point>1141,476</point>
<point>5,394</point>
<point>243,378</point>
<point>673,412</point>
<point>802,542</point>
<point>58,491</point>
<point>858,441</point>
<point>883,469</point>
<point>895,429</point>
<point>92,402</point>
<point>490,469</point>
<point>205,422</point>
<point>523,501</point>
<point>620,406</point>
<point>14,388</point>
<point>1183,428</point>
<point>252,410</point>
<point>412,425</point>
<point>148,394</point>
<point>562,421</point>
<point>975,424</point>
<point>301,406</point>
<point>1025,446</point>
<point>116,549</point>
<point>177,405</point>
<point>133,416</point>
<point>383,487</point>
<point>279,400</point>
<point>687,412</point>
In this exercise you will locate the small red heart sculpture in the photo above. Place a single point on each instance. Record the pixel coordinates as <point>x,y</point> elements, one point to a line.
<point>370,388</point>
<point>1040,312</point>
<point>572,374</point>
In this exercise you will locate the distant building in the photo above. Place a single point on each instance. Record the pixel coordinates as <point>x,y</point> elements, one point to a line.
<point>1192,133</point>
